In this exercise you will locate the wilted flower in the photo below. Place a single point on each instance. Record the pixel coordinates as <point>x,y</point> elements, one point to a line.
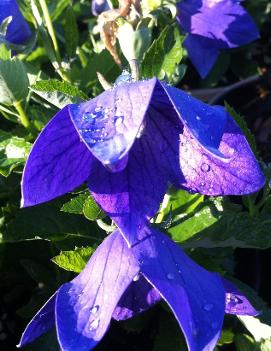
<point>213,25</point>
<point>18,30</point>
<point>119,282</point>
<point>130,143</point>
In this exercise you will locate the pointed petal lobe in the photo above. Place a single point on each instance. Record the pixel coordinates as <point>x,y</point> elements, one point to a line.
<point>201,52</point>
<point>108,124</point>
<point>238,173</point>
<point>84,306</point>
<point>57,164</point>
<point>236,302</point>
<point>195,295</point>
<point>42,322</point>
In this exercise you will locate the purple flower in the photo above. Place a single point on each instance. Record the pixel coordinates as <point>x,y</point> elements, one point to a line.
<point>119,282</point>
<point>99,6</point>
<point>130,143</point>
<point>18,30</point>
<point>213,25</point>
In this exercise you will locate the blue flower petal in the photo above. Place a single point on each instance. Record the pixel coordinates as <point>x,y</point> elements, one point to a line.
<point>43,321</point>
<point>109,123</point>
<point>201,52</point>
<point>232,26</point>
<point>132,197</point>
<point>195,295</point>
<point>18,30</point>
<point>138,297</point>
<point>237,173</point>
<point>84,306</point>
<point>57,164</point>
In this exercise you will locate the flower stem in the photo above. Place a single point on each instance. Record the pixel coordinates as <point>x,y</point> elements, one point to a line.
<point>50,27</point>
<point>23,117</point>
<point>134,69</point>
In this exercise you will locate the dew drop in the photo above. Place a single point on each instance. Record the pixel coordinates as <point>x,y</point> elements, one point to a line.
<point>136,278</point>
<point>198,118</point>
<point>208,307</point>
<point>98,109</point>
<point>170,276</point>
<point>94,309</point>
<point>93,325</point>
<point>205,167</point>
<point>118,120</point>
<point>195,332</point>
<point>214,325</point>
<point>140,131</point>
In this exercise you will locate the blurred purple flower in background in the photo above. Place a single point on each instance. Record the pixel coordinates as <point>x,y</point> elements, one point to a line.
<point>119,282</point>
<point>213,25</point>
<point>99,6</point>
<point>130,143</point>
<point>18,30</point>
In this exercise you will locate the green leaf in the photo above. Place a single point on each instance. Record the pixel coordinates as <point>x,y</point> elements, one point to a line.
<point>164,55</point>
<point>66,230</point>
<point>13,81</point>
<point>58,93</point>
<point>13,152</point>
<point>92,210</point>
<point>71,32</point>
<point>59,7</point>
<point>240,120</point>
<point>218,223</point>
<point>75,205</point>
<point>245,342</point>
<point>75,260</point>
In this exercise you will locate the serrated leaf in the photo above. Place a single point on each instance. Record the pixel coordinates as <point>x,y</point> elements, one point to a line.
<point>71,32</point>
<point>13,81</point>
<point>91,209</point>
<point>58,93</point>
<point>75,260</point>
<point>240,120</point>
<point>75,205</point>
<point>164,55</point>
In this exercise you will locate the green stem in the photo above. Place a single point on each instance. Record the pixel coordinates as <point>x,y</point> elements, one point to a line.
<point>50,27</point>
<point>164,205</point>
<point>23,117</point>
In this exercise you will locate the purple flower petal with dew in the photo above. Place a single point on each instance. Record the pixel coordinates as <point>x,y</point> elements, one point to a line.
<point>109,128</point>
<point>18,30</point>
<point>130,143</point>
<point>153,269</point>
<point>232,27</point>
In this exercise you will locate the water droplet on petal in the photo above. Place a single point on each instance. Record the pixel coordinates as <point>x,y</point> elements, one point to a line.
<point>170,276</point>
<point>93,325</point>
<point>205,167</point>
<point>98,109</point>
<point>214,325</point>
<point>136,278</point>
<point>140,131</point>
<point>208,307</point>
<point>94,309</point>
<point>198,118</point>
<point>118,120</point>
<point>195,332</point>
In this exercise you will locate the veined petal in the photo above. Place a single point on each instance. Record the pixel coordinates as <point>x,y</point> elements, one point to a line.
<point>238,173</point>
<point>108,124</point>
<point>236,302</point>
<point>205,122</point>
<point>58,162</point>
<point>18,30</point>
<point>195,295</point>
<point>133,196</point>
<point>232,26</point>
<point>138,297</point>
<point>84,306</point>
<point>42,322</point>
<point>201,52</point>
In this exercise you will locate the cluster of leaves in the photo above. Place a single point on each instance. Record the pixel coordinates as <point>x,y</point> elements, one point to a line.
<point>44,246</point>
